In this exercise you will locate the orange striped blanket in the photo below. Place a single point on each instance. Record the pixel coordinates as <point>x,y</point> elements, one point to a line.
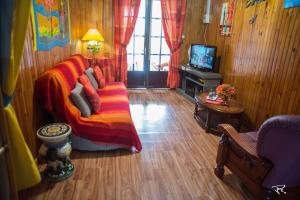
<point>113,125</point>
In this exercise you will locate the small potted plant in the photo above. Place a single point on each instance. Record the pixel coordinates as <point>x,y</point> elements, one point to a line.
<point>225,92</point>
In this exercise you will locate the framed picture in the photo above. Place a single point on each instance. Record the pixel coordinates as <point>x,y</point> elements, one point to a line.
<point>291,3</point>
<point>51,23</point>
<point>227,18</point>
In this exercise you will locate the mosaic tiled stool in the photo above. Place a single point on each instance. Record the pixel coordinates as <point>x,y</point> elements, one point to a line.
<point>56,150</point>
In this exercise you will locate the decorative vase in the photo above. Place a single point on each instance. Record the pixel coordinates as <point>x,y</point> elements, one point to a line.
<point>225,100</point>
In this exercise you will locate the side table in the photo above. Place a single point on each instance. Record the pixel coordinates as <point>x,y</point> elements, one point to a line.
<point>233,110</point>
<point>56,150</point>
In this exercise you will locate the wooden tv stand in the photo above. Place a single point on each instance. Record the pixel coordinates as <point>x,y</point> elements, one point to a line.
<point>194,81</point>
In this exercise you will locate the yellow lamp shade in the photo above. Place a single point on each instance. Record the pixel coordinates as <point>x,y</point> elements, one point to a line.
<point>93,34</point>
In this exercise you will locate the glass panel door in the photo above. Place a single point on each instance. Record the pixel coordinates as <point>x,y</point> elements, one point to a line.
<point>148,53</point>
<point>159,53</point>
<point>135,51</point>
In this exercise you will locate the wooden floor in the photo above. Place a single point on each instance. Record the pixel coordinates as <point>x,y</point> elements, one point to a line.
<point>176,162</point>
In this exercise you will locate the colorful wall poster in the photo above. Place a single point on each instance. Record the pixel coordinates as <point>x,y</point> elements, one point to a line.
<point>51,23</point>
<point>227,18</point>
<point>291,3</point>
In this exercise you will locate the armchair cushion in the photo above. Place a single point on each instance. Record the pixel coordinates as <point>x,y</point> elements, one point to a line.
<point>279,142</point>
<point>244,141</point>
<point>251,136</point>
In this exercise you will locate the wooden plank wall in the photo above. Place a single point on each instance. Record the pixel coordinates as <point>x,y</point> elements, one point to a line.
<point>193,29</point>
<point>262,60</point>
<point>92,14</point>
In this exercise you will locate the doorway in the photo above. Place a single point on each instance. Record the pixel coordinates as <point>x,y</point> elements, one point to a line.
<point>147,52</point>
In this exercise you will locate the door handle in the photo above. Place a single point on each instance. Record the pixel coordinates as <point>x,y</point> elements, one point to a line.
<point>3,148</point>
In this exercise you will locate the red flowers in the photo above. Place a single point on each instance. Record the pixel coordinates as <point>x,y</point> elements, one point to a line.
<point>225,91</point>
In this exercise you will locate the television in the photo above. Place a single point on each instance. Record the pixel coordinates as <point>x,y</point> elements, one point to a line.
<point>203,57</point>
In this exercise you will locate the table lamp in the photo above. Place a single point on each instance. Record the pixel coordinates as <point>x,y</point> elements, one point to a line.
<point>94,38</point>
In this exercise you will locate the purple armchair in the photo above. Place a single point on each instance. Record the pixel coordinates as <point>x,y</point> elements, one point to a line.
<point>266,160</point>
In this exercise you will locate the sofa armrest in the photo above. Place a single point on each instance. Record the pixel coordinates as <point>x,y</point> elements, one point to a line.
<point>235,136</point>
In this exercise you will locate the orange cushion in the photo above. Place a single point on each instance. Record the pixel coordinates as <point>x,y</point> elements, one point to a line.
<point>91,93</point>
<point>84,80</point>
<point>99,76</point>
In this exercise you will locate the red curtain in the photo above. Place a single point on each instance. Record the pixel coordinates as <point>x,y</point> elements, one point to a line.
<point>126,13</point>
<point>173,14</point>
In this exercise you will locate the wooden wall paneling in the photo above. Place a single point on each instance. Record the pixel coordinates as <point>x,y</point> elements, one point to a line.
<point>242,73</point>
<point>295,108</point>
<point>277,67</point>
<point>75,26</point>
<point>274,70</point>
<point>286,88</point>
<point>269,47</point>
<point>228,50</point>
<point>212,32</point>
<point>252,68</point>
<point>92,14</point>
<point>193,28</point>
<point>261,59</point>
<point>294,105</point>
<point>271,73</point>
<point>262,38</point>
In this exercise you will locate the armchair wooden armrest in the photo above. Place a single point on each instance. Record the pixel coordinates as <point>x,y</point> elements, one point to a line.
<point>239,154</point>
<point>230,131</point>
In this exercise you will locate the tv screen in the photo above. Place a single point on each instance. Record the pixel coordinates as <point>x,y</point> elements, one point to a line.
<point>203,57</point>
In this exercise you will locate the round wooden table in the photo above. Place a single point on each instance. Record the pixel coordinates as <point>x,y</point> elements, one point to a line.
<point>234,109</point>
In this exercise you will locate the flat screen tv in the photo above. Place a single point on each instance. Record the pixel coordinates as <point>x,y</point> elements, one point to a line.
<point>203,57</point>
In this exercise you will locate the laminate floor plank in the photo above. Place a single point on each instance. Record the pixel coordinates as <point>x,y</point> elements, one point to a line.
<point>176,162</point>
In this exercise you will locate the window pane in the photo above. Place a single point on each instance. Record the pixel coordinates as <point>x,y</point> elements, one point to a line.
<point>156,27</point>
<point>139,63</point>
<point>164,47</point>
<point>139,28</point>
<point>142,9</point>
<point>156,10</point>
<point>130,62</point>
<point>154,63</point>
<point>162,33</point>
<point>130,46</point>
<point>155,45</point>
<point>165,63</point>
<point>139,45</point>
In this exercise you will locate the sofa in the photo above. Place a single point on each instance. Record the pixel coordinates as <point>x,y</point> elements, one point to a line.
<point>111,128</point>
